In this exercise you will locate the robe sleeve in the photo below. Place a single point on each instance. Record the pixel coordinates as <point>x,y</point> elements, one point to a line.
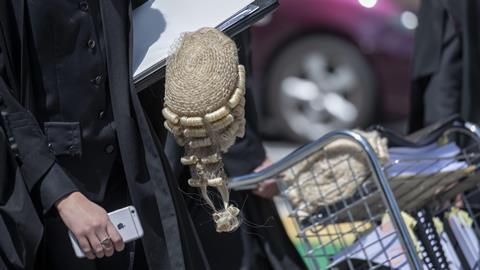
<point>248,152</point>
<point>44,178</point>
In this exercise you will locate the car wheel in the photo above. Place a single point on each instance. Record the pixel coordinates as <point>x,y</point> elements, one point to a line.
<point>319,84</point>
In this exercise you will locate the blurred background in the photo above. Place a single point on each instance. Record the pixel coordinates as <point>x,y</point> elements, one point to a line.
<point>321,65</point>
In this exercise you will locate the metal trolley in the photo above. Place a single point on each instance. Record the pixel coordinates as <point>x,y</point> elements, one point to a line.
<point>350,209</point>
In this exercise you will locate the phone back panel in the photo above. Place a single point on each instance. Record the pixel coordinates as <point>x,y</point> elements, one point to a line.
<point>124,221</point>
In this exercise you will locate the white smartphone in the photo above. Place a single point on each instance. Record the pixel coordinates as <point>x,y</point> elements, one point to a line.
<point>126,222</point>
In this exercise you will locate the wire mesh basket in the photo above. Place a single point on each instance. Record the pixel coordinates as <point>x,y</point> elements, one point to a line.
<point>356,198</point>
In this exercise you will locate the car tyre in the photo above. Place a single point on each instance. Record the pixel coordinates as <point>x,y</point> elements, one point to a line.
<point>293,79</point>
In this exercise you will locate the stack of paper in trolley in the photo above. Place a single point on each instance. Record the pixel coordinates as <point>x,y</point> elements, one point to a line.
<point>461,227</point>
<point>381,247</point>
<point>430,159</point>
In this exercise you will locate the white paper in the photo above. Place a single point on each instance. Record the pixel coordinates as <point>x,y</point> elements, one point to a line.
<point>158,24</point>
<point>431,150</point>
<point>371,248</point>
<point>467,240</point>
<point>430,159</point>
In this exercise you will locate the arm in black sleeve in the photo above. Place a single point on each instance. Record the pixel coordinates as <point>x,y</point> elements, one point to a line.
<point>44,178</point>
<point>436,88</point>
<point>246,155</point>
<point>55,185</point>
<point>248,152</point>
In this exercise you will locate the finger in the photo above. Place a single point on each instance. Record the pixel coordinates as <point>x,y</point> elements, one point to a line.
<point>107,246</point>
<point>85,246</point>
<point>274,187</point>
<point>115,236</point>
<point>260,192</point>
<point>95,243</point>
<point>267,189</point>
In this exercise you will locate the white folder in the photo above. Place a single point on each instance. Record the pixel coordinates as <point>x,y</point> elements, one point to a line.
<point>157,24</point>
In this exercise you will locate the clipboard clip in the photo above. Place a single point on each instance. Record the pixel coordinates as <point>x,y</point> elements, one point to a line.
<point>238,16</point>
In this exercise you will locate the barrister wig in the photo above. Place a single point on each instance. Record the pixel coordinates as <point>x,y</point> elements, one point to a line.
<point>204,110</point>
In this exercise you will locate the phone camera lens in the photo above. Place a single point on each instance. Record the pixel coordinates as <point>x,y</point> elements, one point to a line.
<point>132,211</point>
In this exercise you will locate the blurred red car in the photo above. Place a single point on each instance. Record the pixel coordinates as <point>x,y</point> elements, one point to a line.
<point>321,65</point>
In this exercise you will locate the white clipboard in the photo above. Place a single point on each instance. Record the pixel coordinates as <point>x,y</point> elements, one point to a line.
<point>157,24</point>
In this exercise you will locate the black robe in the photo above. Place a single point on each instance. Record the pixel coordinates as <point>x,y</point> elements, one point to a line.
<point>446,62</point>
<point>170,239</point>
<point>20,225</point>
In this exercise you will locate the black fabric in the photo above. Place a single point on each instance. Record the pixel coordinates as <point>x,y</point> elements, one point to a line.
<point>64,138</point>
<point>247,153</point>
<point>137,3</point>
<point>192,248</point>
<point>20,225</point>
<point>70,75</point>
<point>55,184</point>
<point>30,144</point>
<point>169,239</point>
<point>261,242</point>
<point>446,63</point>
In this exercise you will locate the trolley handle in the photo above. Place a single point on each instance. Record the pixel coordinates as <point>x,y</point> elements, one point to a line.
<point>249,181</point>
<point>442,128</point>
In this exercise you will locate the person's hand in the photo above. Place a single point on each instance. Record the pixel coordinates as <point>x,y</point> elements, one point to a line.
<point>458,202</point>
<point>268,188</point>
<point>90,225</point>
